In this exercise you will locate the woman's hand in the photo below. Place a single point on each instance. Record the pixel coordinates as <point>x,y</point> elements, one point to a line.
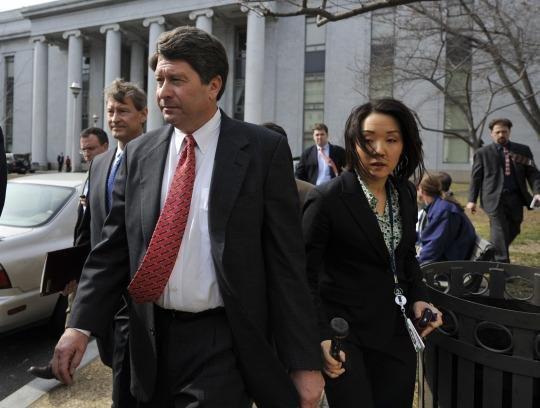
<point>418,309</point>
<point>332,368</point>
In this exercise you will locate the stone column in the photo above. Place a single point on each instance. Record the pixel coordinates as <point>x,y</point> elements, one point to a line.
<point>113,51</point>
<point>74,105</point>
<point>254,68</point>
<point>113,54</point>
<point>95,88</point>
<point>155,28</point>
<point>136,70</point>
<point>203,19</point>
<point>39,101</point>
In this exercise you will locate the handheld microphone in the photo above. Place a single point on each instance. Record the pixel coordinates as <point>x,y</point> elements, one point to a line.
<point>340,330</point>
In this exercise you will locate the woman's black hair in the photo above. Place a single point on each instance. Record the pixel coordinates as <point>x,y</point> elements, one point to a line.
<point>411,162</point>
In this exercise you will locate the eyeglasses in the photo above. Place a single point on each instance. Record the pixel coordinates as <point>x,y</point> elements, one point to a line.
<point>87,149</point>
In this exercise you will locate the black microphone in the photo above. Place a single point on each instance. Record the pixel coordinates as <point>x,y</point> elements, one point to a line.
<point>340,330</point>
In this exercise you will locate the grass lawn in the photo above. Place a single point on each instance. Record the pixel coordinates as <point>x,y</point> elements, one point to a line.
<point>525,250</point>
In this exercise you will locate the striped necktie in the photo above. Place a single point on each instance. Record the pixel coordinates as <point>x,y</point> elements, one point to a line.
<point>158,262</point>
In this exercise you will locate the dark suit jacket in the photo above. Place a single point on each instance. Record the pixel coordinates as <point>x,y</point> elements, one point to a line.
<point>487,176</point>
<point>348,264</point>
<point>308,166</point>
<point>256,246</point>
<point>3,172</point>
<point>90,223</point>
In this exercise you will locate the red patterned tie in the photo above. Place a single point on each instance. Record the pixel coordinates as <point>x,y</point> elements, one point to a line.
<point>158,262</point>
<point>507,170</point>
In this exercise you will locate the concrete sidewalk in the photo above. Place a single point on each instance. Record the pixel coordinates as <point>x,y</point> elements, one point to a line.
<point>91,389</point>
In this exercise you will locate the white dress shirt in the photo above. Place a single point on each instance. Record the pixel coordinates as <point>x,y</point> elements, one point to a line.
<point>324,168</point>
<point>192,286</point>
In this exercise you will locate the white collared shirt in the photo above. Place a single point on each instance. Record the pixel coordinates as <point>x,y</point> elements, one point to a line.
<point>324,168</point>
<point>192,286</point>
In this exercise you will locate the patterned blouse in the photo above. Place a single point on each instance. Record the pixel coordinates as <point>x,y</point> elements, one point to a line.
<point>384,220</point>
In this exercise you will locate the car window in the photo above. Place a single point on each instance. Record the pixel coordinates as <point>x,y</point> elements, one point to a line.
<point>30,205</point>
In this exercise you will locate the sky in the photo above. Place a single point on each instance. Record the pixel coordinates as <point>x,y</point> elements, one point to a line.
<point>14,4</point>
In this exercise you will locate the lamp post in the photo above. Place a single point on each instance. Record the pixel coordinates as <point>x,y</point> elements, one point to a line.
<point>75,88</point>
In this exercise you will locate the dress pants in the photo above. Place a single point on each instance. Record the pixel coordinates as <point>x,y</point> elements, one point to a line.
<point>121,395</point>
<point>374,378</point>
<point>505,224</point>
<point>196,362</point>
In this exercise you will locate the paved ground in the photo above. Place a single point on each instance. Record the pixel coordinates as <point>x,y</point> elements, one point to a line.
<point>92,389</point>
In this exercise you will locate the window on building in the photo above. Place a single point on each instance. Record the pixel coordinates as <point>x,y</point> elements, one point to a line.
<point>381,64</point>
<point>457,84</point>
<point>314,68</point>
<point>239,73</point>
<point>9,87</point>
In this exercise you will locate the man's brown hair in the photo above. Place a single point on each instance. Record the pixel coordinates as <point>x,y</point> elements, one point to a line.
<point>119,90</point>
<point>202,51</point>
<point>320,126</point>
<point>500,121</point>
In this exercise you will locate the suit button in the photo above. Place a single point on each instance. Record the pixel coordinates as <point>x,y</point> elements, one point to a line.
<point>153,332</point>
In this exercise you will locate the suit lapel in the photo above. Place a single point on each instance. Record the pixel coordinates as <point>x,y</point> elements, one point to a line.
<point>358,206</point>
<point>152,167</point>
<point>98,180</point>
<point>230,168</point>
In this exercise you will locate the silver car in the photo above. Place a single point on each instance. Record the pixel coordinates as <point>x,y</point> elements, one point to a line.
<point>39,216</point>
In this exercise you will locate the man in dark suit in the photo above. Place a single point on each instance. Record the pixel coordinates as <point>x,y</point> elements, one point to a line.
<point>93,141</point>
<point>205,232</point>
<point>3,172</point>
<point>322,161</point>
<point>499,175</point>
<point>126,115</point>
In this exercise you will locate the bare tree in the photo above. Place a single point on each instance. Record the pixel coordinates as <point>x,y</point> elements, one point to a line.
<point>324,10</point>
<point>427,53</point>
<point>502,39</point>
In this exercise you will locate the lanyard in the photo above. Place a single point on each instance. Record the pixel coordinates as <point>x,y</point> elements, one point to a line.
<point>399,298</point>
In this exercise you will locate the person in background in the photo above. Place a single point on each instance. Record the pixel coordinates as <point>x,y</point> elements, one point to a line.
<point>448,234</point>
<point>68,164</point>
<point>446,182</point>
<point>359,234</point>
<point>499,175</point>
<point>302,186</point>
<point>60,161</point>
<point>126,116</point>
<point>322,161</point>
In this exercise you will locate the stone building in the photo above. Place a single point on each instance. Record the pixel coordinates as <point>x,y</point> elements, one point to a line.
<point>285,70</point>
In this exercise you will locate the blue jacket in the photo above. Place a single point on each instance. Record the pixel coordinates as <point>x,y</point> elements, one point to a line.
<point>448,235</point>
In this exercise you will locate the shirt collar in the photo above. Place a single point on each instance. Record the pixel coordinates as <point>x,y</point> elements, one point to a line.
<point>203,136</point>
<point>119,152</point>
<point>325,147</point>
<point>500,146</point>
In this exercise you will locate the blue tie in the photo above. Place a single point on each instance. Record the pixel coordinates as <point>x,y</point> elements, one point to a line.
<point>110,180</point>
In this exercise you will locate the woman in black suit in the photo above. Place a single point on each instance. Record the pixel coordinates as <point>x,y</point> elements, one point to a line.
<point>352,225</point>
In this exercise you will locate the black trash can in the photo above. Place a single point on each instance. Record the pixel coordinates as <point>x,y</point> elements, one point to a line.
<point>487,353</point>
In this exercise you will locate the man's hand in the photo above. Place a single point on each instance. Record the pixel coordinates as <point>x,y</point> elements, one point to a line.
<point>535,203</point>
<point>472,207</point>
<point>310,385</point>
<point>418,309</point>
<point>332,367</point>
<point>68,354</point>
